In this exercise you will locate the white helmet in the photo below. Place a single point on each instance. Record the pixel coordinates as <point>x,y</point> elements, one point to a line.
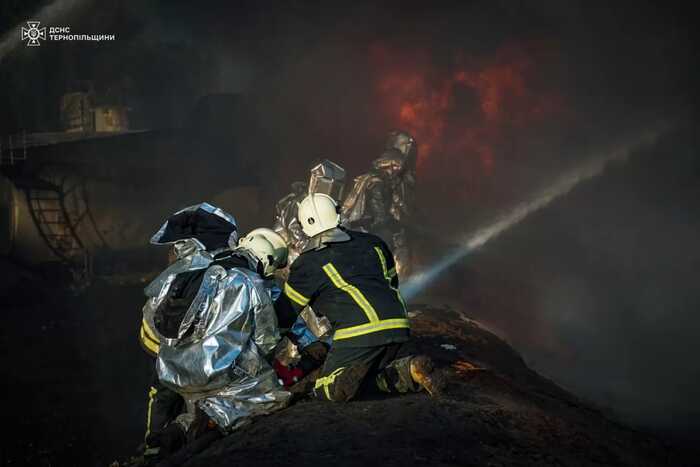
<point>268,246</point>
<point>317,213</point>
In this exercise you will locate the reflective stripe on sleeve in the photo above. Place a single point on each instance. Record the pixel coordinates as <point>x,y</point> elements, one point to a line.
<point>295,296</point>
<point>148,339</point>
<point>149,332</point>
<point>388,275</point>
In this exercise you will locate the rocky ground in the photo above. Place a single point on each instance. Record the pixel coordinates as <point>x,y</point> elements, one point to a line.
<point>76,381</point>
<point>495,412</point>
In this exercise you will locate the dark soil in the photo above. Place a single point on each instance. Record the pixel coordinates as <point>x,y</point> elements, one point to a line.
<point>76,382</point>
<point>499,414</point>
<point>75,378</point>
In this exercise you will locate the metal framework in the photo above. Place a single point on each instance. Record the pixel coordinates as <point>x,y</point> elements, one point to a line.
<point>58,205</point>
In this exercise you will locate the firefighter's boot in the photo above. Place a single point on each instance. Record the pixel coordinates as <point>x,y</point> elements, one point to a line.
<point>423,373</point>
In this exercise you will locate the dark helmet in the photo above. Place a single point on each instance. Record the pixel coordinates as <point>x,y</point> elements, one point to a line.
<point>401,141</point>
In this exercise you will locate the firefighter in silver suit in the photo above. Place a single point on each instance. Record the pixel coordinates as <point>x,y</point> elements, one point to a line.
<point>325,177</point>
<point>382,200</point>
<point>286,223</point>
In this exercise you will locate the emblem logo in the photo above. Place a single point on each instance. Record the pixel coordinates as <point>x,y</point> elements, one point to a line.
<point>33,34</point>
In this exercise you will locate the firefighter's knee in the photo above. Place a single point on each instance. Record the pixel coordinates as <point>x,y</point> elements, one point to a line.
<point>331,393</point>
<point>341,385</point>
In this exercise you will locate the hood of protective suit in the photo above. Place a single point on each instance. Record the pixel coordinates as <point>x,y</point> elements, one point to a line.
<point>204,225</point>
<point>197,233</point>
<point>218,359</point>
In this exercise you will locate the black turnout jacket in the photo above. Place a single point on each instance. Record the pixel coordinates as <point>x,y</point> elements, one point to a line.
<point>349,277</point>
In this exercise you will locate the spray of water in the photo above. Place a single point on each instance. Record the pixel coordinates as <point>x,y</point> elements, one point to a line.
<point>562,185</point>
<point>52,12</point>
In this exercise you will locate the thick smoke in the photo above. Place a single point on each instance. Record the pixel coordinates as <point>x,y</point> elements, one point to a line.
<point>56,11</point>
<point>559,187</point>
<point>503,97</point>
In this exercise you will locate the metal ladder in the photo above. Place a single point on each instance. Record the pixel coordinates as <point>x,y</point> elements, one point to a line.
<point>57,223</point>
<point>57,205</point>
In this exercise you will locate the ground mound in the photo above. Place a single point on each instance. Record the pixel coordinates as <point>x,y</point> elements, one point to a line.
<point>77,386</point>
<point>495,411</point>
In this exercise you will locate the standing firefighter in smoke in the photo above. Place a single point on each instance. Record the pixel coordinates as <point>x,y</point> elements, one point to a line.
<point>382,200</point>
<point>216,327</point>
<point>350,278</point>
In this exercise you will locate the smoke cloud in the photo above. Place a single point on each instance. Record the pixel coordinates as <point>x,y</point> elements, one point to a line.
<point>596,290</point>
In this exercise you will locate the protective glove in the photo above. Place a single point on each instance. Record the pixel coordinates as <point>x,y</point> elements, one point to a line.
<point>315,351</point>
<point>200,425</point>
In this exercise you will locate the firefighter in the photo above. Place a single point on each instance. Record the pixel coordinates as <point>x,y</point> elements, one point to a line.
<point>232,283</point>
<point>217,338</point>
<point>286,219</point>
<point>196,235</point>
<point>350,277</point>
<point>324,177</point>
<point>382,201</point>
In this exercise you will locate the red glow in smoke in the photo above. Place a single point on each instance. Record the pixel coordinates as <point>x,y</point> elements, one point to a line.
<point>462,114</point>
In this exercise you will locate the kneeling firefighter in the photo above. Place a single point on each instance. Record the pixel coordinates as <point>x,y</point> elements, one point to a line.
<point>350,277</point>
<point>217,328</point>
<point>196,234</point>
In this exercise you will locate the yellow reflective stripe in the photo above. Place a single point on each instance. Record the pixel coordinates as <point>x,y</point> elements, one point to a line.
<point>388,275</point>
<point>356,295</point>
<point>149,343</point>
<point>361,330</point>
<point>326,381</point>
<point>391,272</point>
<point>151,395</point>
<point>149,332</point>
<point>294,295</point>
<point>382,260</point>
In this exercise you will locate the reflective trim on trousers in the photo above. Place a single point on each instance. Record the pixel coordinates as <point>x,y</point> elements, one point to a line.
<point>326,381</point>
<point>151,396</point>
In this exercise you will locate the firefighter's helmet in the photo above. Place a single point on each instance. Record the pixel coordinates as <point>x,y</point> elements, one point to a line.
<point>317,213</point>
<point>400,140</point>
<point>329,178</point>
<point>268,247</point>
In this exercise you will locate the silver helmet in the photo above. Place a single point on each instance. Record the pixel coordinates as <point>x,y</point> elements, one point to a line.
<point>327,178</point>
